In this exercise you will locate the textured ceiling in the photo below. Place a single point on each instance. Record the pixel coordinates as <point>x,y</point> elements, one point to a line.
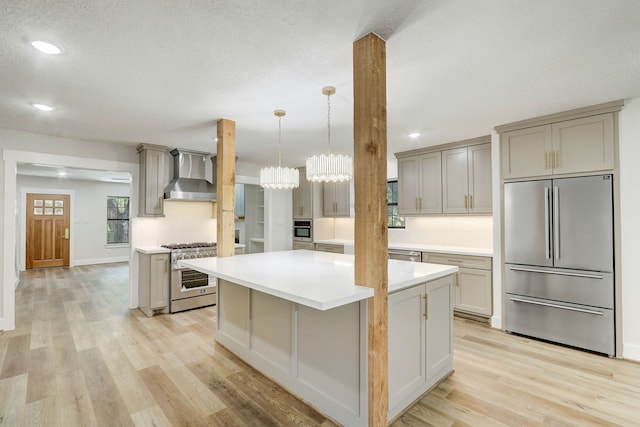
<point>164,72</point>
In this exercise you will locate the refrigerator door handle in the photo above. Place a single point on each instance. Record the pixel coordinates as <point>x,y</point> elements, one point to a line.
<point>547,232</point>
<point>558,273</point>
<point>556,222</point>
<point>563,307</point>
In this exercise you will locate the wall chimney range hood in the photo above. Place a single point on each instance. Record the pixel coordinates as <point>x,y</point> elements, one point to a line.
<point>189,182</point>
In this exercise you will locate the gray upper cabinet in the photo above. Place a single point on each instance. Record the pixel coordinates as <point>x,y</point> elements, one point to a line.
<point>572,146</point>
<point>336,199</point>
<point>455,181</point>
<point>479,167</point>
<point>466,180</point>
<point>303,197</point>
<point>151,191</point>
<point>420,184</point>
<point>451,179</point>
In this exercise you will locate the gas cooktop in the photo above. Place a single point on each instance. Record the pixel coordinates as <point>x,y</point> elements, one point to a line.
<point>193,245</point>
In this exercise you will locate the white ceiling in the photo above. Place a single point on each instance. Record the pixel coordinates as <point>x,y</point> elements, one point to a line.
<point>163,72</point>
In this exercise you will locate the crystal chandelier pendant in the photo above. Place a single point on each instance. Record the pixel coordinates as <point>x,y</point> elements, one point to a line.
<point>279,178</point>
<point>329,167</point>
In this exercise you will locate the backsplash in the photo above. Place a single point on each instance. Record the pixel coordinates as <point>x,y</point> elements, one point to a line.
<point>466,231</point>
<point>183,222</point>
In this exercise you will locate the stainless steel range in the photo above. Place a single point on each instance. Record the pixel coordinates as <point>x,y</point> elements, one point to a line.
<point>189,288</point>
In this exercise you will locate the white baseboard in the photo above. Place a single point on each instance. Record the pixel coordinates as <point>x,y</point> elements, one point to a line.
<point>6,327</point>
<point>99,261</point>
<point>631,352</point>
<point>496,322</point>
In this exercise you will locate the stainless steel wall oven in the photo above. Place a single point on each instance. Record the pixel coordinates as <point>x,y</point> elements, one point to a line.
<point>303,230</point>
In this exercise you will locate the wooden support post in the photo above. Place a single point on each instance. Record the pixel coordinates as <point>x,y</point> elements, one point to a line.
<point>371,237</point>
<point>226,187</point>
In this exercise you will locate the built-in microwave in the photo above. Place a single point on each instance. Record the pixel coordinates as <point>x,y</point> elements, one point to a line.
<point>303,230</point>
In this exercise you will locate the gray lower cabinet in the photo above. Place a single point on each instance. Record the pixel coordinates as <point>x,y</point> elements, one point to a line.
<point>420,340</point>
<point>473,287</point>
<point>303,245</point>
<point>326,247</point>
<point>153,283</point>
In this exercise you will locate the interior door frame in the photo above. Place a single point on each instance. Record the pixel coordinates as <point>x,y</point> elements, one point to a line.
<point>11,159</point>
<point>22,259</point>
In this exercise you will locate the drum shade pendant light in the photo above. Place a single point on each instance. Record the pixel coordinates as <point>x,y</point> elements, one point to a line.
<point>279,178</point>
<point>329,167</point>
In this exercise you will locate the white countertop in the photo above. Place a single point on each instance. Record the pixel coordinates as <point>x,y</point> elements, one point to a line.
<point>458,250</point>
<point>315,279</point>
<point>149,250</point>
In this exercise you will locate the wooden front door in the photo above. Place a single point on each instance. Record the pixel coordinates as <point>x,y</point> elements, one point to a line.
<point>47,230</point>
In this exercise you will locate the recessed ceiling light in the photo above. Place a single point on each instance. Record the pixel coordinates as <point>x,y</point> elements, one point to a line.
<point>414,135</point>
<point>42,107</point>
<point>48,48</point>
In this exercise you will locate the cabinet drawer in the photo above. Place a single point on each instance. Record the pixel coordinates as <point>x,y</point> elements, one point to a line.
<point>468,261</point>
<point>324,247</point>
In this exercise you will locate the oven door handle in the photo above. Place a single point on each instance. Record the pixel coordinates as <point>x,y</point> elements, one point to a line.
<point>178,267</point>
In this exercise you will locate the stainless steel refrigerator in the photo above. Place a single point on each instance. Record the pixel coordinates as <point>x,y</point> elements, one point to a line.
<point>559,269</point>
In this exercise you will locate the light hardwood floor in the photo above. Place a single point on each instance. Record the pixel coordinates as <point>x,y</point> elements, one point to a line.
<point>80,357</point>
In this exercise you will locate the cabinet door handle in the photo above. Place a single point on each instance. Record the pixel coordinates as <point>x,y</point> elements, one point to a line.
<point>420,203</point>
<point>465,201</point>
<point>547,156</point>
<point>426,307</point>
<point>470,201</point>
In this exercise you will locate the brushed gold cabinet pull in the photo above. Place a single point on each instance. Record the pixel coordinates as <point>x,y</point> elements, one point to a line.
<point>420,203</point>
<point>470,201</point>
<point>465,201</point>
<point>546,164</point>
<point>555,158</point>
<point>426,307</point>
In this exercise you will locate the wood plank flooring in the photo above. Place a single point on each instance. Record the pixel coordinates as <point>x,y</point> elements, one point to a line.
<point>80,357</point>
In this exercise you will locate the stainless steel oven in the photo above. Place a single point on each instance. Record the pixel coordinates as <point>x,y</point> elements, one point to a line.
<point>190,288</point>
<point>303,230</point>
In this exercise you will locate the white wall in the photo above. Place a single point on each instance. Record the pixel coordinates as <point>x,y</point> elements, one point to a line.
<point>89,209</point>
<point>629,214</point>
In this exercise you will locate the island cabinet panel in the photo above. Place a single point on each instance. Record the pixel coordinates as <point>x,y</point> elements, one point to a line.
<point>406,344</point>
<point>329,353</point>
<point>233,312</point>
<point>320,356</point>
<point>420,341</point>
<point>271,329</point>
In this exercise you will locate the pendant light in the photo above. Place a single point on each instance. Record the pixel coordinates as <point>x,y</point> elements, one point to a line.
<point>279,178</point>
<point>329,167</point>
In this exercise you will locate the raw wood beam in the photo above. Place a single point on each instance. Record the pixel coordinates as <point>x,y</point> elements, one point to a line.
<point>370,174</point>
<point>226,187</point>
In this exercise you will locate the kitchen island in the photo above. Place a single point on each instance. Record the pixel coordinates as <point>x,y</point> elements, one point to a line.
<point>299,318</point>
